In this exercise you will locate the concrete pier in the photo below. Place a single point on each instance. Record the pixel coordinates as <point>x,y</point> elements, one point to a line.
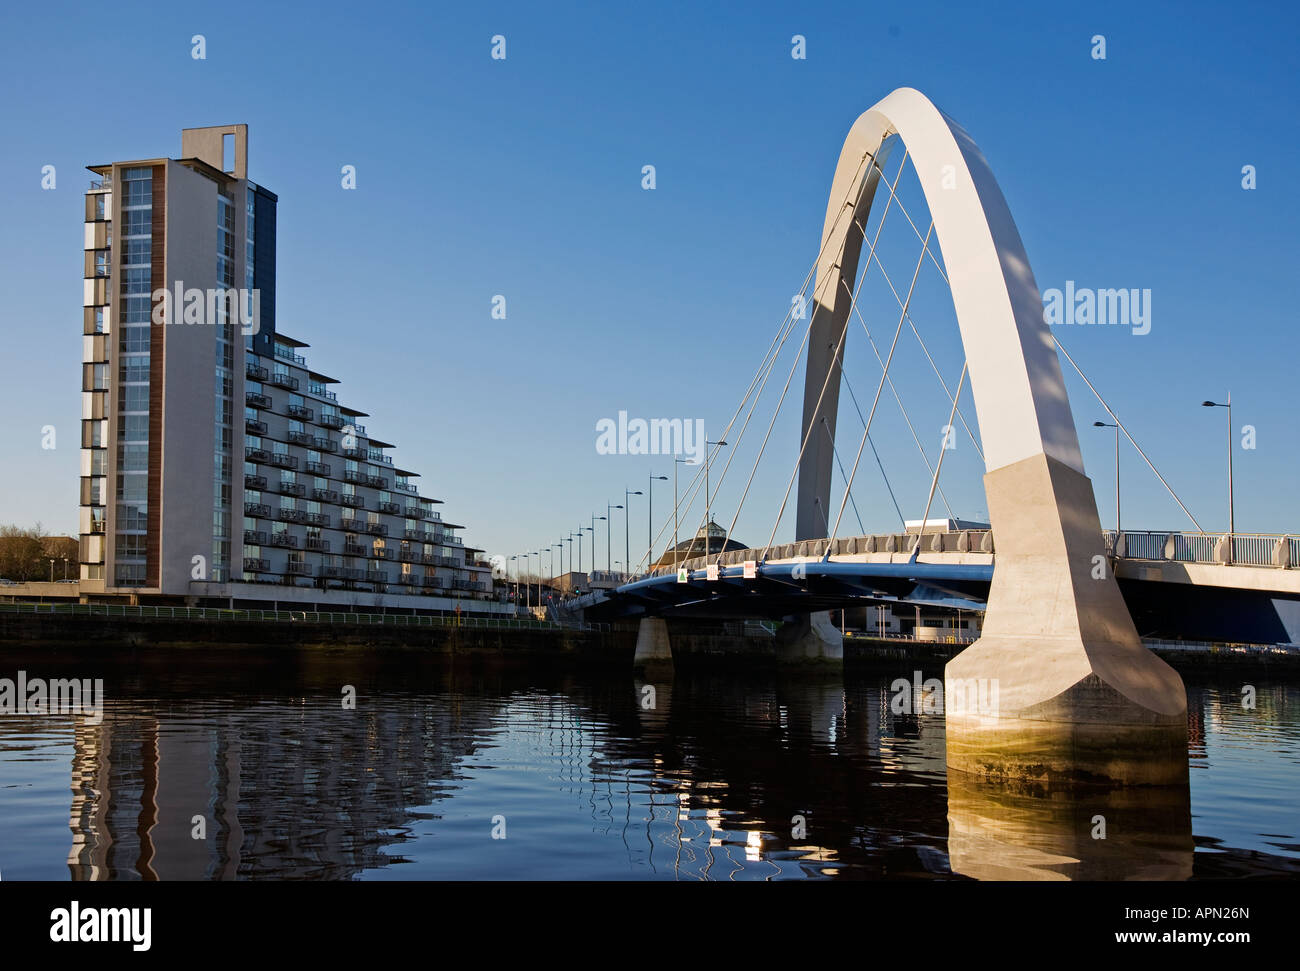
<point>811,639</point>
<point>1078,698</point>
<point>653,647</point>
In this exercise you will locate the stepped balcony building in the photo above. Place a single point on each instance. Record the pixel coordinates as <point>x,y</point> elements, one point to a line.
<point>217,467</point>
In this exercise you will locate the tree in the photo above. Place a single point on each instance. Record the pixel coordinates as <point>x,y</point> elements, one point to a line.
<point>20,553</point>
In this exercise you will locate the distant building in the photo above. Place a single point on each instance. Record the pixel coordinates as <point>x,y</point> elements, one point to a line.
<point>216,464</point>
<point>942,525</point>
<point>713,536</point>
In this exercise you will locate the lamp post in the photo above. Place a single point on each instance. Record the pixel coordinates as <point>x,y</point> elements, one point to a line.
<point>649,520</point>
<point>51,569</point>
<point>1232,520</point>
<point>676,462</point>
<point>580,529</point>
<point>609,517</point>
<point>1102,424</point>
<point>512,559</point>
<point>593,541</point>
<point>707,521</point>
<point>627,528</point>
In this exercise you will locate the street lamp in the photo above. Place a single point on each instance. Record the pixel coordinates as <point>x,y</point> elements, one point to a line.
<point>512,559</point>
<point>1232,520</point>
<point>707,521</point>
<point>590,529</point>
<point>649,520</point>
<point>627,542</point>
<point>593,541</point>
<point>609,516</point>
<point>1102,424</point>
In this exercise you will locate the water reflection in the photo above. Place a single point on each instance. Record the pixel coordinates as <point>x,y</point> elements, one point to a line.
<point>600,777</point>
<point>1005,833</point>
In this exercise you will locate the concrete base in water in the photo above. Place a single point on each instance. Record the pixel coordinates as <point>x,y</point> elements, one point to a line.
<point>811,640</point>
<point>653,647</point>
<point>1063,689</point>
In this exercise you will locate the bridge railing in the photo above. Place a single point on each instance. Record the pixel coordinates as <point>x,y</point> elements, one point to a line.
<point>1239,549</point>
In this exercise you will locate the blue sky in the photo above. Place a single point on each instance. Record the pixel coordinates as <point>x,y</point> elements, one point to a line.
<point>522,177</point>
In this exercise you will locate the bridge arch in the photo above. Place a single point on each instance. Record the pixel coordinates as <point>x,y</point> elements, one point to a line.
<point>1015,374</point>
<point>1057,638</point>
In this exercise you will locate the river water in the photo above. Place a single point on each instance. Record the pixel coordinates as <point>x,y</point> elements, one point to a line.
<point>226,769</point>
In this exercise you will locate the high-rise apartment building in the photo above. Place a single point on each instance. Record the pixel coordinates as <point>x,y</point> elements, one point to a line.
<point>216,465</point>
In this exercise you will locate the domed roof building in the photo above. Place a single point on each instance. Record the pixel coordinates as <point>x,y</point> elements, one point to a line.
<point>713,536</point>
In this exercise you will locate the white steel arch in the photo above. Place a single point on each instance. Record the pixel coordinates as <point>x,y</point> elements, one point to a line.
<point>1015,375</point>
<point>1078,696</point>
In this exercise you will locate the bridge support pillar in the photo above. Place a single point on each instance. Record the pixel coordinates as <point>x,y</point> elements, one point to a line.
<point>1059,689</point>
<point>653,649</point>
<point>811,639</point>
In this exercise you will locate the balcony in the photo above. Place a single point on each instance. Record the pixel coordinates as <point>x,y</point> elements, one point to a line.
<point>253,564</point>
<point>356,502</point>
<point>254,427</point>
<point>257,482</point>
<point>318,468</point>
<point>325,495</point>
<point>429,559</point>
<point>381,553</point>
<point>319,545</point>
<point>294,568</point>
<point>337,572</point>
<point>331,421</point>
<point>377,529</point>
<point>301,411</point>
<point>291,516</point>
<point>354,453</point>
<point>355,549</point>
<point>254,537</point>
<point>352,475</point>
<point>432,581</point>
<point>318,519</point>
<point>408,579</point>
<point>299,438</point>
<point>376,576</point>
<point>283,460</point>
<point>433,516</point>
<point>286,540</point>
<point>392,508</point>
<point>287,488</point>
<point>256,454</point>
<point>405,487</point>
<point>375,481</point>
<point>255,371</point>
<point>324,444</point>
<point>285,381</point>
<point>413,512</point>
<point>408,556</point>
<point>258,510</point>
<point>255,399</point>
<point>418,535</point>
